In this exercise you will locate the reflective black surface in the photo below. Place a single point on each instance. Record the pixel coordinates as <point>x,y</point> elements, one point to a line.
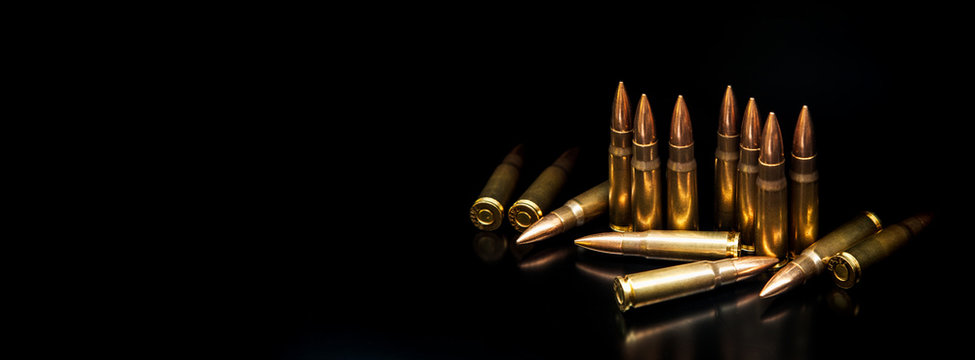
<point>378,258</point>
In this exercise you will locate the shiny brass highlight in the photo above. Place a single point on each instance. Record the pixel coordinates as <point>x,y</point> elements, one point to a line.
<point>487,213</point>
<point>680,245</point>
<point>812,260</point>
<point>772,207</point>
<point>654,286</point>
<point>647,197</point>
<point>726,164</point>
<point>804,187</point>
<point>747,176</point>
<point>847,267</point>
<point>682,206</point>
<point>531,205</point>
<point>620,172</point>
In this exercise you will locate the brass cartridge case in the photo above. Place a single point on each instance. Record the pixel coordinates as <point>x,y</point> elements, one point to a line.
<point>620,172</point>
<point>812,261</point>
<point>487,213</point>
<point>680,245</point>
<point>654,286</point>
<point>771,221</point>
<point>532,204</point>
<point>747,195</point>
<point>847,267</point>
<point>575,212</point>
<point>725,182</point>
<point>682,210</point>
<point>620,180</point>
<point>648,202</point>
<point>804,202</point>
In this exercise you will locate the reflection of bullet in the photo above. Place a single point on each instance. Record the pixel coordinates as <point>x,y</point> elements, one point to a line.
<point>682,209</point>
<point>804,187</point>
<point>487,213</point>
<point>620,173</point>
<point>811,261</point>
<point>650,287</point>
<point>489,246</point>
<point>771,222</point>
<point>575,212</point>
<point>539,195</point>
<point>847,266</point>
<point>747,196</point>
<point>648,204</point>
<point>681,245</point>
<point>726,164</point>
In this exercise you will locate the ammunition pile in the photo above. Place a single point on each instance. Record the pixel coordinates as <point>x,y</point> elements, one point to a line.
<point>764,219</point>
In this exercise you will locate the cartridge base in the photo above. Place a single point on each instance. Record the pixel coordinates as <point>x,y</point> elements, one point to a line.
<point>524,213</point>
<point>487,214</point>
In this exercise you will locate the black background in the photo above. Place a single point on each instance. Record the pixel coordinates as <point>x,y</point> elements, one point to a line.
<point>370,252</point>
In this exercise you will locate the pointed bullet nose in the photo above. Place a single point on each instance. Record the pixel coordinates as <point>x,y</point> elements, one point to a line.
<point>622,118</point>
<point>786,278</point>
<point>771,141</point>
<point>728,122</point>
<point>611,243</point>
<point>680,124</point>
<point>546,227</point>
<point>751,126</point>
<point>752,265</point>
<point>643,130</point>
<point>802,139</point>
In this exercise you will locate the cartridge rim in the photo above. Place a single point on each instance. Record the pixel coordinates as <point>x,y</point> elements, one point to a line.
<point>624,293</point>
<point>486,213</point>
<point>846,270</point>
<point>876,221</point>
<point>523,213</point>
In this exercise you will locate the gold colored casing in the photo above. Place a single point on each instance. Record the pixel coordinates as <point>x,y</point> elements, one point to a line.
<point>804,202</point>
<point>747,195</point>
<point>648,204</point>
<point>620,180</point>
<point>523,213</point>
<point>487,213</point>
<point>681,245</point>
<point>725,182</point>
<point>771,212</point>
<point>682,207</point>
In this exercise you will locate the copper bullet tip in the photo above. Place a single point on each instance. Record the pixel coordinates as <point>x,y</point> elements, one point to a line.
<point>680,124</point>
<point>802,140</point>
<point>610,242</point>
<point>728,122</point>
<point>751,127</point>
<point>748,266</point>
<point>771,149</point>
<point>622,118</point>
<point>643,131</point>
<point>790,276</point>
<point>546,227</point>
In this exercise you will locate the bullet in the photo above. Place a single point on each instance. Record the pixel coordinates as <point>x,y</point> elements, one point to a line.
<point>847,266</point>
<point>531,205</point>
<point>654,286</point>
<point>680,245</point>
<point>771,210</point>
<point>648,202</point>
<point>803,186</point>
<point>487,213</point>
<point>813,259</point>
<point>747,194</point>
<point>620,172</point>
<point>726,164</point>
<point>575,212</point>
<point>682,212</point>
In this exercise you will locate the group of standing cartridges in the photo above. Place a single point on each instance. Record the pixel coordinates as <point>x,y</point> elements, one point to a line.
<point>756,214</point>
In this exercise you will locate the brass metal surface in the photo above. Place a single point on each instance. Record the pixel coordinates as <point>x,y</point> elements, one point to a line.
<point>647,196</point>
<point>654,286</point>
<point>680,245</point>
<point>847,267</point>
<point>531,205</point>
<point>803,187</point>
<point>747,191</point>
<point>726,164</point>
<point>620,172</point>
<point>575,212</point>
<point>772,207</point>
<point>811,261</point>
<point>487,213</point>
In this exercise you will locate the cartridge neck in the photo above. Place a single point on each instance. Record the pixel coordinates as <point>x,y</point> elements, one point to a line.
<point>621,139</point>
<point>727,149</point>
<point>681,154</point>
<point>646,157</point>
